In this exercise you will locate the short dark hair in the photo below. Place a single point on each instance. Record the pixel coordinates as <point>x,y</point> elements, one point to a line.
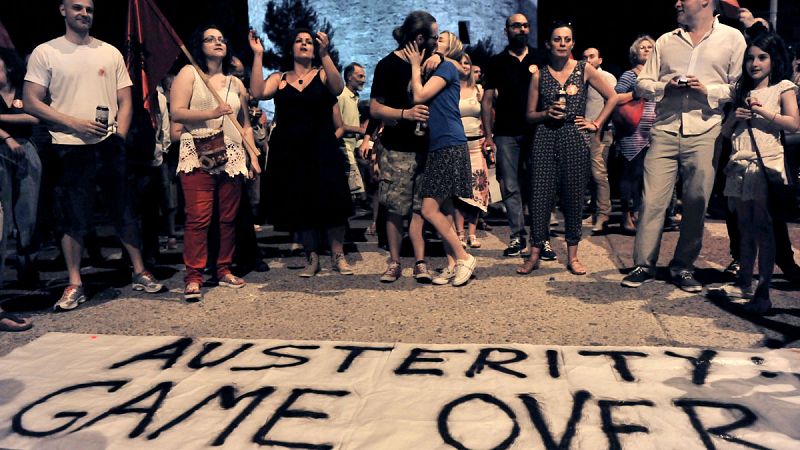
<point>350,69</point>
<point>556,24</point>
<point>287,61</point>
<point>417,22</point>
<point>508,19</point>
<point>196,45</point>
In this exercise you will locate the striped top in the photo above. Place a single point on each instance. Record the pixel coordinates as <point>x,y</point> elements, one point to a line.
<point>631,145</point>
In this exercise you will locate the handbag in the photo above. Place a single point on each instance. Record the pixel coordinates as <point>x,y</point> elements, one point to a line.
<point>210,147</point>
<point>781,201</point>
<point>626,117</point>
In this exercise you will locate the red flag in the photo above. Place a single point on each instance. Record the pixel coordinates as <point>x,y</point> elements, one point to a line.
<point>5,39</point>
<point>152,47</point>
<point>730,8</point>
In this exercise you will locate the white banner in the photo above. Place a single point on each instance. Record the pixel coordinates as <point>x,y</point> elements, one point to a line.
<point>85,392</point>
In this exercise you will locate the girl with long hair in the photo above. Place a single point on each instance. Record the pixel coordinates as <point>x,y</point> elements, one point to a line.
<point>766,105</point>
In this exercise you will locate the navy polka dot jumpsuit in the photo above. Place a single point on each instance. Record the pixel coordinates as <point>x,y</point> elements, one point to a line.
<point>559,159</point>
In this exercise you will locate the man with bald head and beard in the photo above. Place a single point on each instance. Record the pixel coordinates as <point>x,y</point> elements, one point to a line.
<point>88,118</point>
<point>506,81</point>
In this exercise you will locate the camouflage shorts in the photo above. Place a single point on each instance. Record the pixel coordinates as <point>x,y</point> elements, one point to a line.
<point>401,176</point>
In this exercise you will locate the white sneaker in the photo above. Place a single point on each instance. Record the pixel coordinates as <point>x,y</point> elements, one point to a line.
<point>444,277</point>
<point>464,269</point>
<point>735,291</point>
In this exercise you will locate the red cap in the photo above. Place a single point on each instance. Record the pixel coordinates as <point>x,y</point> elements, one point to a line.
<point>730,8</point>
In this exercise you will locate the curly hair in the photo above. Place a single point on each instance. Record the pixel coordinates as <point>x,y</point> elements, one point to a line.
<point>633,52</point>
<point>196,46</point>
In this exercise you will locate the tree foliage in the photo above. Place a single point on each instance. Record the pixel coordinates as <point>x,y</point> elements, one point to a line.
<point>481,51</point>
<point>280,21</point>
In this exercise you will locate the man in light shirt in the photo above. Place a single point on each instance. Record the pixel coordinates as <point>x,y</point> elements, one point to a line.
<point>83,74</point>
<point>690,76</point>
<point>354,77</point>
<point>601,140</point>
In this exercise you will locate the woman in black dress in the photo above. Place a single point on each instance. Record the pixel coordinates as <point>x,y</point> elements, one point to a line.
<point>560,156</point>
<point>305,179</point>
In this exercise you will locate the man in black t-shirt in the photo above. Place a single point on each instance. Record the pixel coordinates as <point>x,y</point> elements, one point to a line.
<point>404,152</point>
<point>506,82</point>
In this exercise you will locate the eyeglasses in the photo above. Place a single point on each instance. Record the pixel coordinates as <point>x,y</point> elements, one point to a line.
<point>212,39</point>
<point>518,25</point>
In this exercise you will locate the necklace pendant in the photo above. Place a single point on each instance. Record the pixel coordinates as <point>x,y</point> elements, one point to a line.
<point>300,81</point>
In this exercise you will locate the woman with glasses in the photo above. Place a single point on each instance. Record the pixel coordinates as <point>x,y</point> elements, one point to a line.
<point>560,156</point>
<point>306,175</point>
<point>633,140</point>
<point>205,183</point>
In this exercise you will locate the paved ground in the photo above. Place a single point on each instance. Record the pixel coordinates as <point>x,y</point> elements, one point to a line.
<point>549,306</point>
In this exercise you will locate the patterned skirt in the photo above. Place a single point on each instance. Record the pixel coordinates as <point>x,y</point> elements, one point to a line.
<point>447,173</point>
<point>480,177</point>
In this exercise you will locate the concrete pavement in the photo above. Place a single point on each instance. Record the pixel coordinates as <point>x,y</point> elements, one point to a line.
<point>550,306</point>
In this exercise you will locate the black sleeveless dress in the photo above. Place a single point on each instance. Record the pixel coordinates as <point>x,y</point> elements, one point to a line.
<point>305,180</point>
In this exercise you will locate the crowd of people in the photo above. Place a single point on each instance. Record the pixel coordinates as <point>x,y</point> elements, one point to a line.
<point>421,152</point>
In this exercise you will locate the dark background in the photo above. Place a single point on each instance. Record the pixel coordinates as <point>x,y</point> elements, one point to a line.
<point>610,26</point>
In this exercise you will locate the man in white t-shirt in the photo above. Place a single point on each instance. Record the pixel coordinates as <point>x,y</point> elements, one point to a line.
<point>86,77</point>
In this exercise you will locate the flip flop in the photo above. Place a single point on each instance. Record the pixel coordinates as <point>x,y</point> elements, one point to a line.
<point>10,322</point>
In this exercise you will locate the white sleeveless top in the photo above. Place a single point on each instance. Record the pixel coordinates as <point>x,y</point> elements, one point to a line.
<point>203,100</point>
<point>470,108</point>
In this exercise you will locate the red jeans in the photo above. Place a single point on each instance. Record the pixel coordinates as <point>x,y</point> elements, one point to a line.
<point>201,190</point>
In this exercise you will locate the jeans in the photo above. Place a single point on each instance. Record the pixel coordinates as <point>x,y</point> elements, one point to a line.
<point>20,178</point>
<point>509,158</point>
<point>630,185</point>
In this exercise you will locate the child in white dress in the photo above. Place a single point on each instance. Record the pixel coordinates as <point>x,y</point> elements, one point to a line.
<point>766,102</point>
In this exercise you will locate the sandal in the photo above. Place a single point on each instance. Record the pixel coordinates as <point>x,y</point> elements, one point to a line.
<point>463,239</point>
<point>576,267</point>
<point>473,241</point>
<point>229,280</point>
<point>12,323</point>
<point>191,292</point>
<point>531,263</point>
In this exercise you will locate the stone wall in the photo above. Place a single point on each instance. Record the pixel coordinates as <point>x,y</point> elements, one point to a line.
<point>363,28</point>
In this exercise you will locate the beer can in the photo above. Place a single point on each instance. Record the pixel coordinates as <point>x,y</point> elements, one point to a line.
<point>101,115</point>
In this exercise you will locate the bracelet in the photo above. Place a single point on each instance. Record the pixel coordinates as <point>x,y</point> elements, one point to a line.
<point>773,117</point>
<point>596,125</point>
<point>401,114</point>
<point>8,137</point>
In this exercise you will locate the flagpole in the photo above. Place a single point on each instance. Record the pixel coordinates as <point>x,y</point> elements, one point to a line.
<point>252,150</point>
